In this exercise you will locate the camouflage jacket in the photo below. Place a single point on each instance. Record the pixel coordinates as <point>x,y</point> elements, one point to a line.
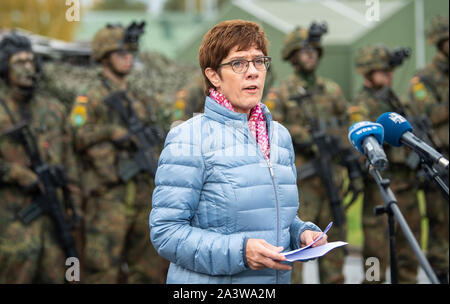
<point>326,107</point>
<point>94,124</point>
<point>47,125</point>
<point>428,92</point>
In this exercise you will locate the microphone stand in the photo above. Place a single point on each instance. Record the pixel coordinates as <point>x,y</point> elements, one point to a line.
<point>393,212</point>
<point>433,174</point>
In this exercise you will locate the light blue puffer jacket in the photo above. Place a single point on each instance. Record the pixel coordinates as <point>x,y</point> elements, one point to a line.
<point>214,190</point>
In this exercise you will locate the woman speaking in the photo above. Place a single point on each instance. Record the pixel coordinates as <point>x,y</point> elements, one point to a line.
<point>225,203</point>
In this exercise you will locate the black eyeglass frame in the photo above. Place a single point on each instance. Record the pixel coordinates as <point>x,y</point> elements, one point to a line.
<point>267,61</point>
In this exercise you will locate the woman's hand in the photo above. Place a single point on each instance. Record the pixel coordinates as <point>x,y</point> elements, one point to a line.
<point>308,236</point>
<point>261,254</point>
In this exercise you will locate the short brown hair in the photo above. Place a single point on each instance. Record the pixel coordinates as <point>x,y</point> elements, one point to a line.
<point>220,39</point>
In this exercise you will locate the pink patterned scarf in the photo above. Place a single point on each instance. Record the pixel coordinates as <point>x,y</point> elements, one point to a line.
<point>256,122</point>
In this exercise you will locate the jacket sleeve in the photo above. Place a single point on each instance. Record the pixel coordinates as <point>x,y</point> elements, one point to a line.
<point>298,226</point>
<point>179,181</point>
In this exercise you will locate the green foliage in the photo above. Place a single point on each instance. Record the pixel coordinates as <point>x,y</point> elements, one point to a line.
<point>354,224</point>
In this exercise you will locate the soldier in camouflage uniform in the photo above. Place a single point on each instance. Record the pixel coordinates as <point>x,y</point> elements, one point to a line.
<point>28,253</point>
<point>375,98</point>
<point>325,104</point>
<point>117,244</point>
<point>428,93</point>
<point>189,100</point>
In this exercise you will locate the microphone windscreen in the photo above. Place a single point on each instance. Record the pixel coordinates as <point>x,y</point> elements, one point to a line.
<point>361,130</point>
<point>394,126</point>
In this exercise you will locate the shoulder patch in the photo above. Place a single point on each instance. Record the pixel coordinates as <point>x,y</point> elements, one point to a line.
<point>270,104</point>
<point>357,113</point>
<point>270,100</point>
<point>418,88</point>
<point>179,108</point>
<point>78,115</point>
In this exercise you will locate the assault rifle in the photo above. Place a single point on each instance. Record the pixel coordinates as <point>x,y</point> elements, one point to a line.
<point>146,136</point>
<point>422,129</point>
<point>328,147</point>
<point>45,198</point>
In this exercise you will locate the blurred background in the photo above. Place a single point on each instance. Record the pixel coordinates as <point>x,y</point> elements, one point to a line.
<point>175,29</point>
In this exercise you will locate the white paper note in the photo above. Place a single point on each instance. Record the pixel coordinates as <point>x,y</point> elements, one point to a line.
<point>313,253</point>
<point>308,252</point>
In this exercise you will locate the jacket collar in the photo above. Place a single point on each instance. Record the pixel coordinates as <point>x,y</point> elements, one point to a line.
<point>221,114</point>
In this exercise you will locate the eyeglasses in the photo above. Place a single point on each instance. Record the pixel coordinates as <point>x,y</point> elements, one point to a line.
<point>241,65</point>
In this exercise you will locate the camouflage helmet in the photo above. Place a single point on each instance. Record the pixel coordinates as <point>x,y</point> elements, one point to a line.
<point>301,37</point>
<point>116,37</point>
<point>438,30</point>
<point>373,57</point>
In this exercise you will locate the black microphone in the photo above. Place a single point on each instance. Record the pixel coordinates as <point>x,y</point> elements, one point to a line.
<point>398,131</point>
<point>367,138</point>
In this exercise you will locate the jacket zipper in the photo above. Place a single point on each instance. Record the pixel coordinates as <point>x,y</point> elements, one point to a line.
<point>278,210</point>
<point>276,192</point>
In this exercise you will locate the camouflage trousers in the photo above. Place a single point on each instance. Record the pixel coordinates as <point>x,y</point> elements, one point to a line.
<point>315,207</point>
<point>28,253</point>
<point>375,228</point>
<point>438,230</point>
<point>145,265</point>
<point>117,238</point>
